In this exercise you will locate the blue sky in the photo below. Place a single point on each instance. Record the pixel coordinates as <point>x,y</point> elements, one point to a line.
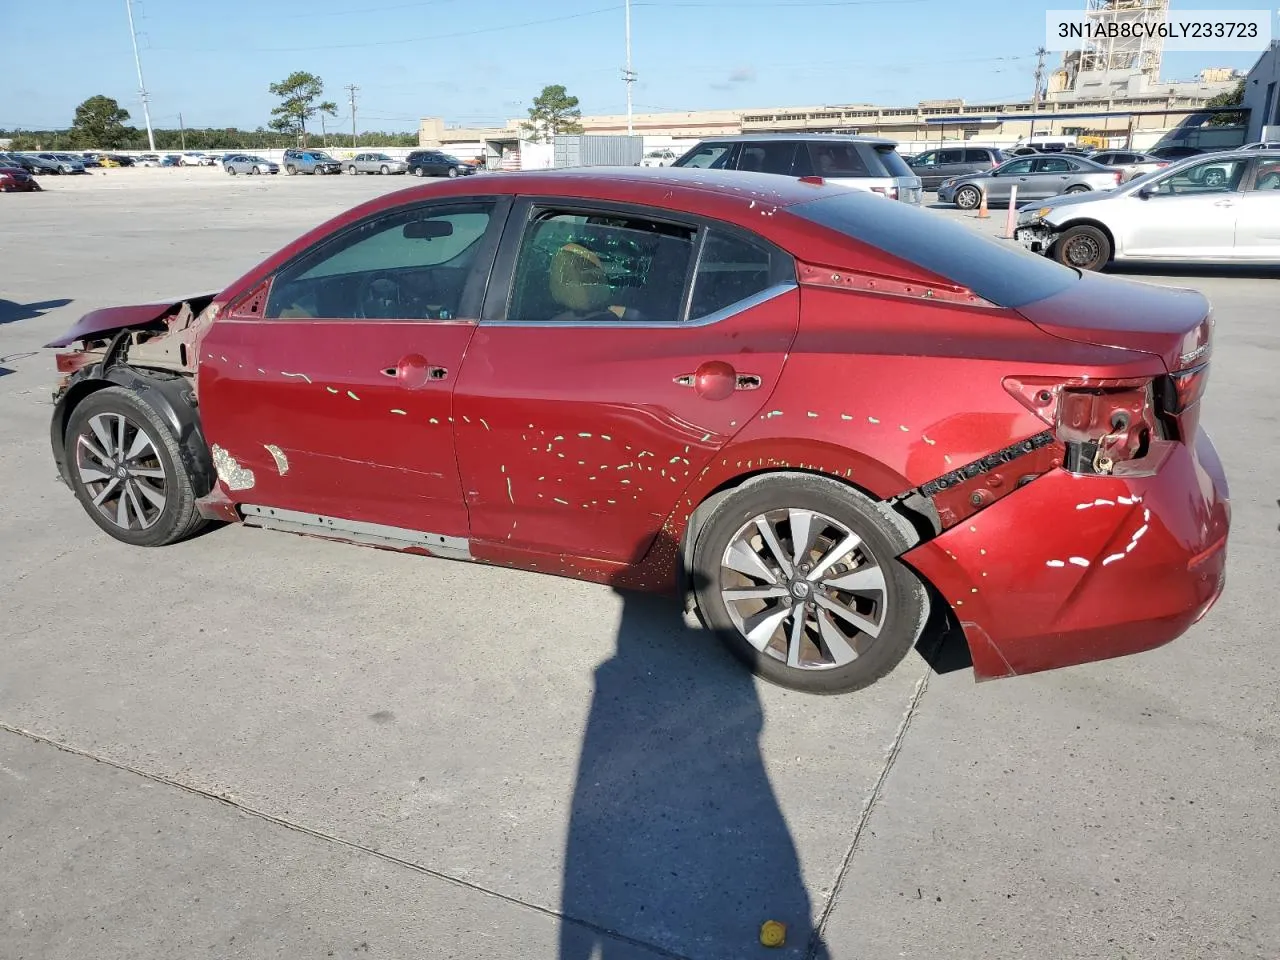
<point>480,61</point>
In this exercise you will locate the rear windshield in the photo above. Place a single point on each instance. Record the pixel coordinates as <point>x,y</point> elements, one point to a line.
<point>893,162</point>
<point>998,272</point>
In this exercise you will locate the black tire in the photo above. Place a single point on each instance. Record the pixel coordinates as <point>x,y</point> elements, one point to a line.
<point>968,198</point>
<point>419,172</point>
<point>905,601</point>
<point>290,170</point>
<point>231,170</point>
<point>351,170</point>
<point>178,519</point>
<point>1078,188</point>
<point>1083,247</point>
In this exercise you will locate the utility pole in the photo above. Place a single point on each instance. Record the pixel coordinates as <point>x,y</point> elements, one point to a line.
<point>1035,96</point>
<point>351,89</point>
<point>142,86</point>
<point>629,75</point>
<point>182,131</point>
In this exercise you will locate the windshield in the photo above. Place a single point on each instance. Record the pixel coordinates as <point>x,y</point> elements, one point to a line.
<point>997,272</point>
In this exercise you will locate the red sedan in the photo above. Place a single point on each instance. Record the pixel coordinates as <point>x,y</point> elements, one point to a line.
<point>17,180</point>
<point>838,425</point>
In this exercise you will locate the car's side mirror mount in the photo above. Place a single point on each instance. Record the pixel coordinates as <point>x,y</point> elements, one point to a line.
<point>1146,192</point>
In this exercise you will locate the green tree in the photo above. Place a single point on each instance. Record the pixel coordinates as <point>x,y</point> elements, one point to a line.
<point>326,109</point>
<point>553,112</point>
<point>298,94</point>
<point>1229,98</point>
<point>99,122</point>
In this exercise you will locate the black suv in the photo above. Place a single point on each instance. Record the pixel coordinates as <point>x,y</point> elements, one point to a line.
<point>310,161</point>
<point>865,163</point>
<point>435,163</point>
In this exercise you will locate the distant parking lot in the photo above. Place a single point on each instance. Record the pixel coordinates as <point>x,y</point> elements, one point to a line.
<point>254,744</point>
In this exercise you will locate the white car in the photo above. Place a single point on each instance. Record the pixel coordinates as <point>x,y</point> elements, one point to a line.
<point>147,160</point>
<point>195,158</point>
<point>1219,208</point>
<point>659,158</point>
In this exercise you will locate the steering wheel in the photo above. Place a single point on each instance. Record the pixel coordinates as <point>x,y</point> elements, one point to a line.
<point>379,297</point>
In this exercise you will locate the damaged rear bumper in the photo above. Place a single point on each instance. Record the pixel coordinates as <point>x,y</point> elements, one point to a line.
<point>1071,569</point>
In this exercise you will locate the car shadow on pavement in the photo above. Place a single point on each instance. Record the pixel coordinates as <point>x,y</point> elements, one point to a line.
<point>12,312</point>
<point>676,839</point>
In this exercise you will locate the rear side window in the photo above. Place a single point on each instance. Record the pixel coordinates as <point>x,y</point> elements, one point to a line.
<point>995,272</point>
<point>951,156</point>
<point>768,156</point>
<point>729,270</point>
<point>600,268</point>
<point>839,160</point>
<point>1055,165</point>
<point>978,156</point>
<point>708,156</point>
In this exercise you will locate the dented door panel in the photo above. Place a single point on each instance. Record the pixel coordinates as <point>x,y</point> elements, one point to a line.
<point>320,417</point>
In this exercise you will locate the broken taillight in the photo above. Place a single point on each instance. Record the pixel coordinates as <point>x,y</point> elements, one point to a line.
<point>1184,389</point>
<point>1101,422</point>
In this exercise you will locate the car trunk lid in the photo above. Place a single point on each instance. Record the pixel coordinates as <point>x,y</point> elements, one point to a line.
<point>1172,323</point>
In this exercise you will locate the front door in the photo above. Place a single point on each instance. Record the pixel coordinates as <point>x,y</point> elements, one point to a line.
<point>1189,214</point>
<point>607,376</point>
<point>334,397</point>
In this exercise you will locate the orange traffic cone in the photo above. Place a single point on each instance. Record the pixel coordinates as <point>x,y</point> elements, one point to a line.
<point>982,207</point>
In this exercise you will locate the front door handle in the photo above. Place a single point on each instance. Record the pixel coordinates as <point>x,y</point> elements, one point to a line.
<point>414,371</point>
<point>1225,203</point>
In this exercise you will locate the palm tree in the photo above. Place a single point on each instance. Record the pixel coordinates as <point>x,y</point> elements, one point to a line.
<point>330,108</point>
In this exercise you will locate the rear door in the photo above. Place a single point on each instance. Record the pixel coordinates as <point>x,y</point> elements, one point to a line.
<point>1258,214</point>
<point>607,371</point>
<point>329,392</point>
<point>951,163</point>
<point>1049,176</point>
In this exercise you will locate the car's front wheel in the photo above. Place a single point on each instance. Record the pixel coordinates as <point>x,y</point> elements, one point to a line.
<point>351,169</point>
<point>419,172</point>
<point>968,198</point>
<point>126,470</point>
<point>799,576</point>
<point>231,170</point>
<point>1083,247</point>
<point>384,170</point>
<point>453,172</point>
<point>1078,188</point>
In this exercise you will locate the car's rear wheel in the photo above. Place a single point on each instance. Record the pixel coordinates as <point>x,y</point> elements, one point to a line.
<point>968,198</point>
<point>1078,188</point>
<point>419,172</point>
<point>1083,247</point>
<point>126,470</point>
<point>798,575</point>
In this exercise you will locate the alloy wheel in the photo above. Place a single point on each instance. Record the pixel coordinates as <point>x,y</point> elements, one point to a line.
<point>121,470</point>
<point>803,588</point>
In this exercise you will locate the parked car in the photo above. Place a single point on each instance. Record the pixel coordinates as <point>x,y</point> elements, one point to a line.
<point>310,161</point>
<point>61,162</point>
<point>1035,177</point>
<point>436,163</point>
<point>844,427</point>
<point>863,163</point>
<point>16,180</point>
<point>248,163</point>
<point>1175,152</point>
<point>171,160</point>
<point>20,161</point>
<point>116,160</point>
<point>148,160</point>
<point>1129,164</point>
<point>664,157</point>
<point>934,166</point>
<point>198,158</point>
<point>46,163</point>
<point>375,163</point>
<point>91,160</point>
<point>1220,208</point>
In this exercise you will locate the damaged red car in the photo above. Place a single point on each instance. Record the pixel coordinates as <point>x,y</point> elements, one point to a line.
<point>839,427</point>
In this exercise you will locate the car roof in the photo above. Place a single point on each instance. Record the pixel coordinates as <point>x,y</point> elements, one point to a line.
<point>827,137</point>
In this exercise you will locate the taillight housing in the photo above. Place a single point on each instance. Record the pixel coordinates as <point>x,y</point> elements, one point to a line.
<point>1119,176</point>
<point>1104,425</point>
<point>890,192</point>
<point>1183,390</point>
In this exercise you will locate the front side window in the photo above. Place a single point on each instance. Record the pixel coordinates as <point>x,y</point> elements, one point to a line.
<point>730,269</point>
<point>925,160</point>
<point>408,264</point>
<point>600,268</point>
<point>1018,168</point>
<point>707,156</point>
<point>1211,176</point>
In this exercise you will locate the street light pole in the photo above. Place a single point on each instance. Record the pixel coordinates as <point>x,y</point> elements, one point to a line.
<point>628,75</point>
<point>142,86</point>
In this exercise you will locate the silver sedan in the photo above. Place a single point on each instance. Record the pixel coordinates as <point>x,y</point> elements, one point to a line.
<point>1036,178</point>
<point>1129,164</point>
<point>247,163</point>
<point>1216,208</point>
<point>374,163</point>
